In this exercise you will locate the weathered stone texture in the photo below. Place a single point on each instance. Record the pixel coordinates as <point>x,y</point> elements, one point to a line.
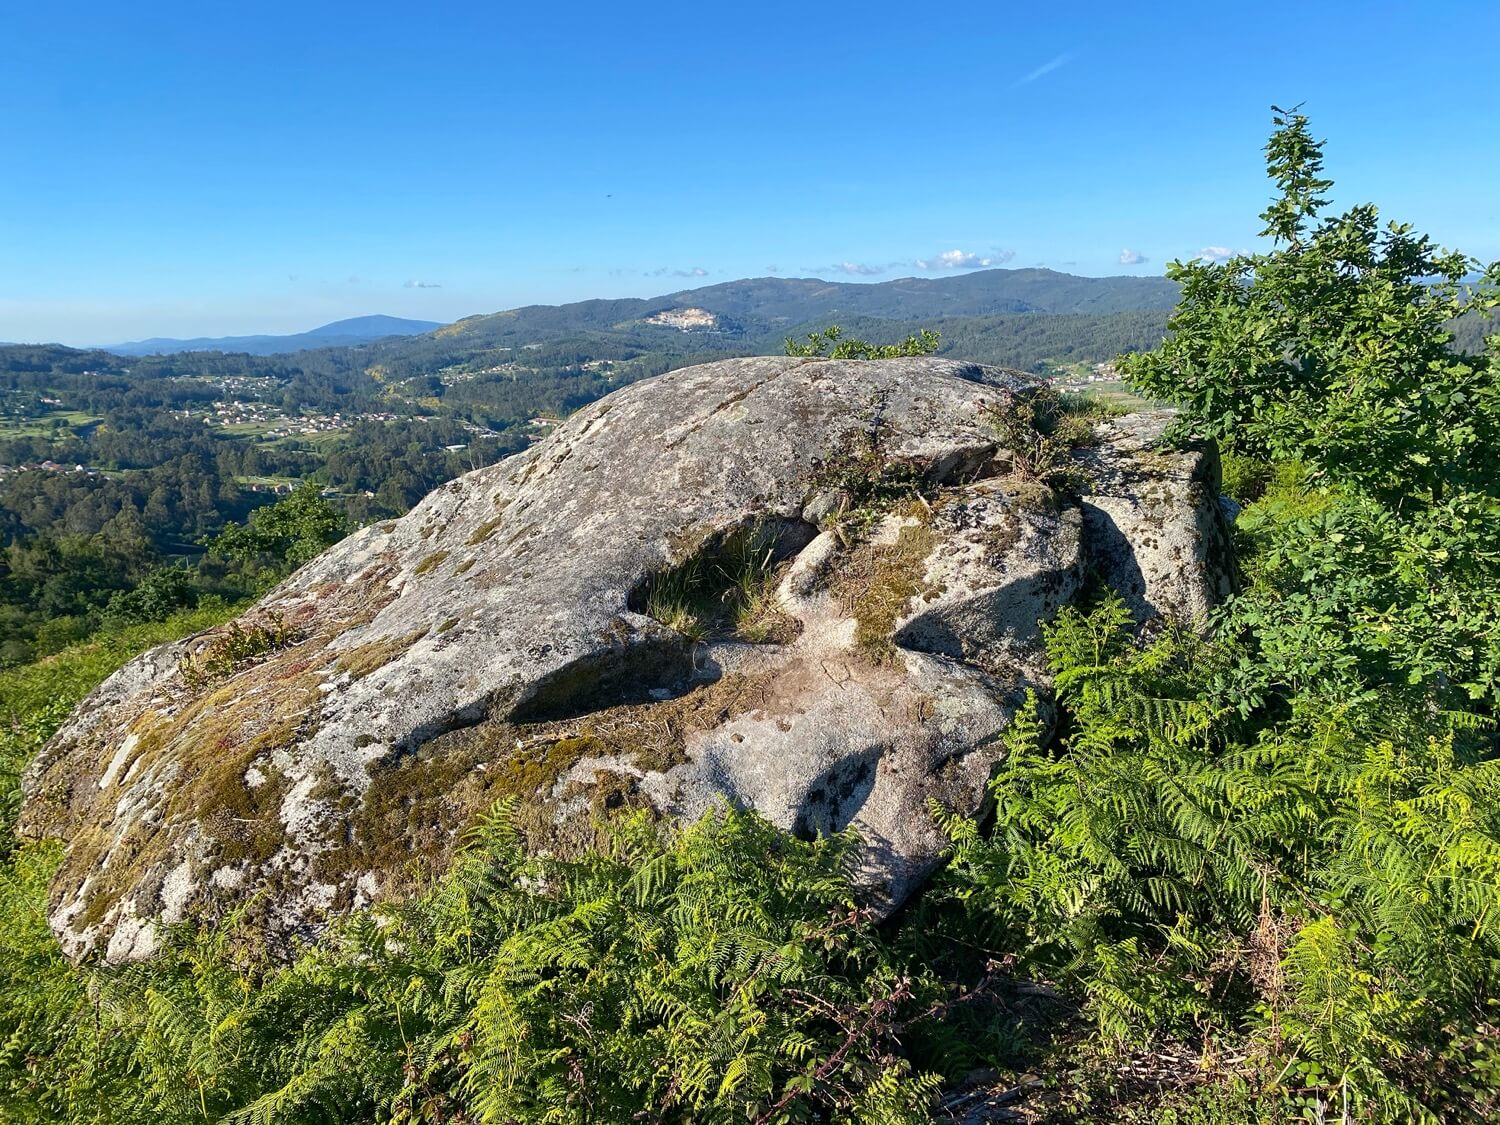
<point>494,642</point>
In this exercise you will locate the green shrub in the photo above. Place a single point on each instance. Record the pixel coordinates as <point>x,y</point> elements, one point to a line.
<point>163,592</point>
<point>830,344</point>
<point>234,647</point>
<point>1333,349</point>
<point>1284,840</point>
<point>288,533</point>
<point>1038,432</point>
<point>1329,880</point>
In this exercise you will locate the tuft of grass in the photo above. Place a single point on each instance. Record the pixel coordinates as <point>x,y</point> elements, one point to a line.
<point>1245,478</point>
<point>760,619</point>
<point>727,589</point>
<point>674,598</point>
<point>1038,432</point>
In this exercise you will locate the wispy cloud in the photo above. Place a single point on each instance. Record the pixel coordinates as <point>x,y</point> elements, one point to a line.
<point>1042,71</point>
<point>667,271</point>
<point>964,260</point>
<point>1129,257</point>
<point>859,269</point>
<point>423,285</point>
<point>1215,254</point>
<point>353,279</point>
<point>773,269</point>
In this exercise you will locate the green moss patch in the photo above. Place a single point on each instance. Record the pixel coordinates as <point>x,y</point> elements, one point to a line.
<point>485,530</point>
<point>418,805</point>
<point>201,754</point>
<point>371,656</point>
<point>877,582</point>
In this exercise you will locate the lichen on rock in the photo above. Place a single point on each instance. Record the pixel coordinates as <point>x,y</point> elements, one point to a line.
<point>502,640</point>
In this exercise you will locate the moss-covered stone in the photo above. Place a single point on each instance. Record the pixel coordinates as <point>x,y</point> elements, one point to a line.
<point>877,582</point>
<point>483,532</point>
<point>371,656</point>
<point>212,759</point>
<point>553,689</point>
<point>418,804</point>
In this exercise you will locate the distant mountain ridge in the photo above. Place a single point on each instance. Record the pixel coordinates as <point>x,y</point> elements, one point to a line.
<point>753,306</point>
<point>355,330</point>
<point>748,315</point>
<point>982,293</point>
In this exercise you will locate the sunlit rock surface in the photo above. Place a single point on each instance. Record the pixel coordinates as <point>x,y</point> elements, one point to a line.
<point>496,642</point>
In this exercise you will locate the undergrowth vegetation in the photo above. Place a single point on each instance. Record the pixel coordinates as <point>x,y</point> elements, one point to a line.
<point>1250,873</point>
<point>724,973</point>
<point>235,647</point>
<point>726,588</point>
<point>1038,433</point>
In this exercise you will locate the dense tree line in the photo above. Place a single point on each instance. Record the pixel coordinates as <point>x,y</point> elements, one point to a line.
<point>155,486</point>
<point>382,469</point>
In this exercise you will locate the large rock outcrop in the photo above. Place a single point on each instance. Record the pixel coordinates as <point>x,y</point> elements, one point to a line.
<point>874,580</point>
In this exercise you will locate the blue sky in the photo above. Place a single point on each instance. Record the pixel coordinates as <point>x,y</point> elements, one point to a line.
<point>203,169</point>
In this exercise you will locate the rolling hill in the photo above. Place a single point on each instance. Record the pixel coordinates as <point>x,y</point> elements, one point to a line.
<point>762,306</point>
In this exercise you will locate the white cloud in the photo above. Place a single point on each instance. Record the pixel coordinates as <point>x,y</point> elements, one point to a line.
<point>1215,254</point>
<point>423,285</point>
<point>1129,257</point>
<point>666,271</point>
<point>1046,68</point>
<point>963,260</point>
<point>860,269</point>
